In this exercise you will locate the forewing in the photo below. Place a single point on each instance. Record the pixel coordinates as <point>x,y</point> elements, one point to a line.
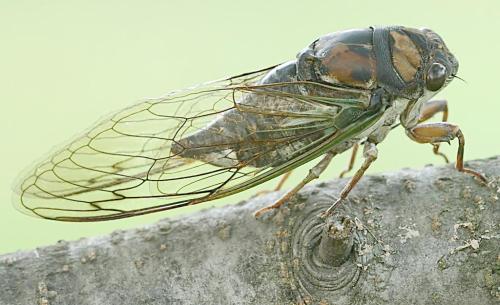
<point>127,165</point>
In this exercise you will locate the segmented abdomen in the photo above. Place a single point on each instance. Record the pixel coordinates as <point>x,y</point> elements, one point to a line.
<point>263,129</point>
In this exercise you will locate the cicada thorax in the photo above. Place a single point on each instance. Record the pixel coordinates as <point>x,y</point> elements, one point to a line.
<point>387,57</point>
<point>389,61</point>
<point>344,58</point>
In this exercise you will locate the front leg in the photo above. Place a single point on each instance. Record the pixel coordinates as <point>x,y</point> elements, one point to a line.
<point>443,132</point>
<point>430,109</point>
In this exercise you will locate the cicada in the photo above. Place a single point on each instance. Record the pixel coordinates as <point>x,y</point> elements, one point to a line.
<point>222,137</point>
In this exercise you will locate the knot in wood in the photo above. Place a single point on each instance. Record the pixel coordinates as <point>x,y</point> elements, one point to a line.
<point>321,258</point>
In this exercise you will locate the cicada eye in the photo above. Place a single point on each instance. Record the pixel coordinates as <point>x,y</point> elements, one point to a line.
<point>436,76</point>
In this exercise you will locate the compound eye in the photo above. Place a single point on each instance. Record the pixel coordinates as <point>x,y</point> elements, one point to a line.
<point>436,76</point>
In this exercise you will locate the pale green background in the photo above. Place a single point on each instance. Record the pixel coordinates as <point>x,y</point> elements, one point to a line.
<point>64,64</point>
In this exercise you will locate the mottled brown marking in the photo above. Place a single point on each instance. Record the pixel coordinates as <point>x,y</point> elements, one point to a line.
<point>353,65</point>
<point>405,56</point>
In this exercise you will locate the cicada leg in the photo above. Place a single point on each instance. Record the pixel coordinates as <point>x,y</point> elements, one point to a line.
<point>443,132</point>
<point>370,154</point>
<point>282,181</point>
<point>351,161</point>
<point>314,173</point>
<point>430,109</point>
<point>278,187</point>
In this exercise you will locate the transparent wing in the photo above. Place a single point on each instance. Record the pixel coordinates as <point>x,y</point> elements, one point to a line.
<point>192,146</point>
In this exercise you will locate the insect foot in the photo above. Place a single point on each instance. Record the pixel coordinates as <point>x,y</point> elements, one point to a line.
<point>325,260</point>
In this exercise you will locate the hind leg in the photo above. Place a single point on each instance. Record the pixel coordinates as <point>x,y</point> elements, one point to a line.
<point>314,173</point>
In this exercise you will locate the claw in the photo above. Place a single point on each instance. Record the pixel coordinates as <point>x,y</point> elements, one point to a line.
<point>436,151</point>
<point>330,210</point>
<point>476,175</point>
<point>267,209</point>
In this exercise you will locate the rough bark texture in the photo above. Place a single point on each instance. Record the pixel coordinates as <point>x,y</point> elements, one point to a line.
<point>418,237</point>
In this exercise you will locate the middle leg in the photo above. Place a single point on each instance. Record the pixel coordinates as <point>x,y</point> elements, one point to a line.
<point>282,181</point>
<point>351,161</point>
<point>370,153</point>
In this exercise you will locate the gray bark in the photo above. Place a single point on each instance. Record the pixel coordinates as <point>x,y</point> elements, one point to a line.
<point>412,237</point>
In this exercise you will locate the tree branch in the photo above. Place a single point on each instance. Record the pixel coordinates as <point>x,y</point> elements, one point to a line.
<point>411,237</point>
